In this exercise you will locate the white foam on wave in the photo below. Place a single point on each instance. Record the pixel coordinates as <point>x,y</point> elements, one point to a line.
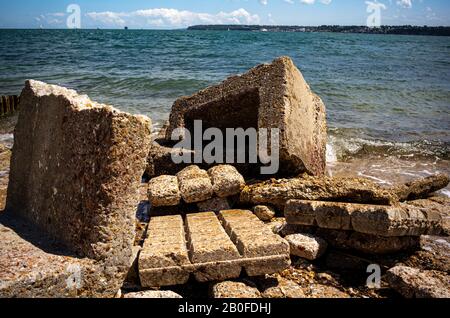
<point>6,137</point>
<point>331,153</point>
<point>445,192</point>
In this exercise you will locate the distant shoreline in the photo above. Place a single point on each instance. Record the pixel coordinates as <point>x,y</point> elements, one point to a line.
<point>390,30</point>
<point>385,29</point>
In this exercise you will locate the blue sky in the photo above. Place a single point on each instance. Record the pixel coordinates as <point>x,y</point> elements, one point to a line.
<point>156,14</point>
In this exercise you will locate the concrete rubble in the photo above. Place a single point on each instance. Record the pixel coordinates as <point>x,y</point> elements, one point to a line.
<point>76,168</point>
<point>76,180</point>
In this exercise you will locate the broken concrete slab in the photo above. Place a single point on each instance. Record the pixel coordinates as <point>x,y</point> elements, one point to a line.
<point>264,213</point>
<point>388,221</point>
<point>231,289</point>
<point>160,162</point>
<point>415,283</point>
<point>195,185</point>
<point>214,204</point>
<point>421,188</point>
<point>226,180</point>
<point>209,253</point>
<point>268,96</point>
<point>306,246</point>
<point>278,192</point>
<point>75,172</point>
<point>164,191</point>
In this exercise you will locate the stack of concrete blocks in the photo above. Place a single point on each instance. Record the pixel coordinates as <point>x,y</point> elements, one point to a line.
<point>209,190</point>
<point>371,229</point>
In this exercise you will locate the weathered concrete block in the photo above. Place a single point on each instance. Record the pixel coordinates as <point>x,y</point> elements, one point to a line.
<point>215,204</point>
<point>268,96</point>
<point>165,247</point>
<point>195,185</point>
<point>278,192</point>
<point>306,246</point>
<point>163,191</point>
<point>416,283</point>
<point>264,213</point>
<point>76,168</point>
<point>398,220</point>
<point>254,239</point>
<point>226,180</point>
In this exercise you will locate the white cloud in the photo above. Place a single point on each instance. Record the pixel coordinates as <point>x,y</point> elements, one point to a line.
<point>289,1</point>
<point>263,2</point>
<point>314,1</point>
<point>164,17</point>
<point>405,3</point>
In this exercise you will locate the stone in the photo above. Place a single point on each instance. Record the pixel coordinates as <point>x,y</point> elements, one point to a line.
<point>278,192</point>
<point>33,265</point>
<point>164,191</point>
<point>421,188</point>
<point>215,204</point>
<point>153,294</point>
<point>389,221</point>
<point>264,213</point>
<point>415,283</point>
<point>230,289</point>
<point>306,246</point>
<point>279,287</point>
<point>367,243</point>
<point>268,96</point>
<point>195,185</point>
<point>159,160</point>
<point>209,247</point>
<point>325,291</point>
<point>76,169</point>
<point>226,180</point>
<point>435,205</point>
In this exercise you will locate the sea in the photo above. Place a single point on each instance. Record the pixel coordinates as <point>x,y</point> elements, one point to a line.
<point>387,96</point>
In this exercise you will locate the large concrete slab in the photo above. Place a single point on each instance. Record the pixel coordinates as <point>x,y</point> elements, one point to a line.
<point>216,248</point>
<point>76,168</point>
<point>268,96</point>
<point>389,221</point>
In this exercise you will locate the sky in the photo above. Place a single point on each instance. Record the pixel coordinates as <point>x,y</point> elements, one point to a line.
<point>174,14</point>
